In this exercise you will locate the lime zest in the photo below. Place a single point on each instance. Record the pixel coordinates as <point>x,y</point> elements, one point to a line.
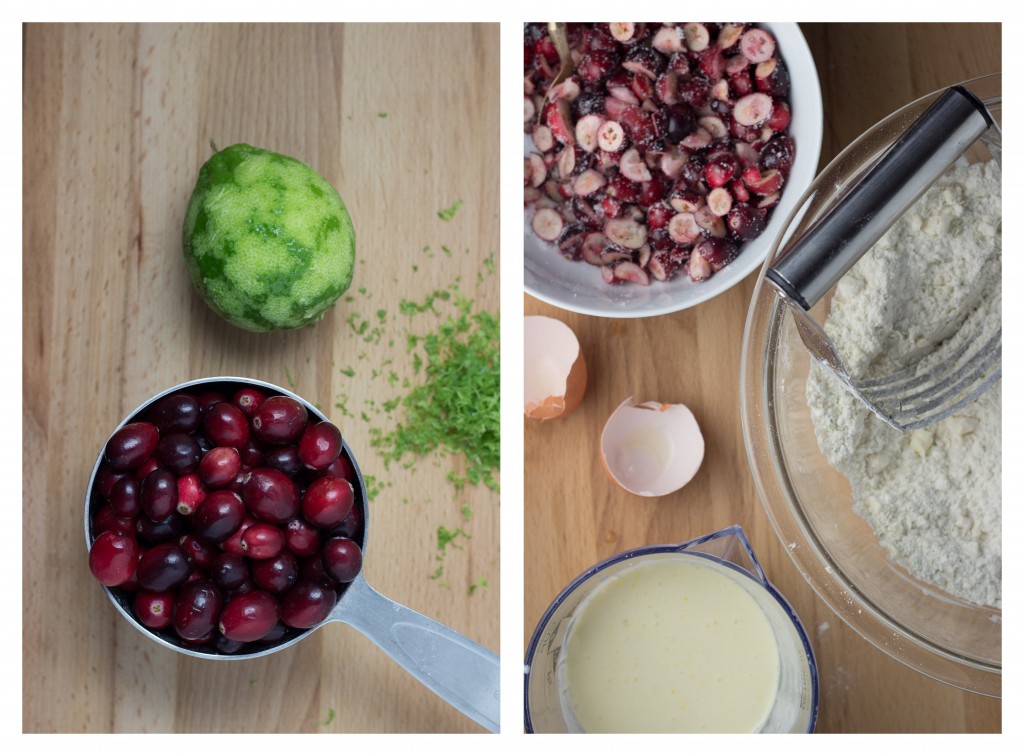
<point>449,212</point>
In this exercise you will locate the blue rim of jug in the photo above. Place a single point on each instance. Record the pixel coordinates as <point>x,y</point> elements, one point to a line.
<point>761,579</point>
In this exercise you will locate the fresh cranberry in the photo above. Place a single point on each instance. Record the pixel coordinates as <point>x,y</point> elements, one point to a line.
<point>307,604</point>
<point>251,454</point>
<point>158,496</point>
<point>107,519</point>
<point>233,545</point>
<point>191,492</point>
<point>154,609</point>
<point>276,574</point>
<point>262,541</point>
<point>124,497</point>
<point>201,554</point>
<point>218,516</point>
<point>106,477</point>
<point>196,609</point>
<point>320,445</point>
<point>227,646</point>
<point>312,568</point>
<point>163,567</point>
<point>351,526</point>
<point>284,458</point>
<point>249,617</point>
<point>209,398</point>
<point>219,467</point>
<point>248,400</point>
<point>146,468</point>
<point>277,632</point>
<point>132,445</point>
<point>279,420</point>
<point>301,538</point>
<point>160,531</point>
<point>327,501</point>
<point>113,557</point>
<point>176,413</point>
<point>179,453</point>
<point>342,559</point>
<point>226,425</point>
<point>271,495</point>
<point>230,571</point>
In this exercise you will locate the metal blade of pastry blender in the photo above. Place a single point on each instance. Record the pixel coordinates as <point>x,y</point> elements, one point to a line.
<point>817,259</point>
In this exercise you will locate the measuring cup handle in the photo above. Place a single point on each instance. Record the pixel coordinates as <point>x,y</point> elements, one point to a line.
<point>462,672</point>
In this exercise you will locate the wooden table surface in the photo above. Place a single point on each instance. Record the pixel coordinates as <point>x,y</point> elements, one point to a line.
<point>576,517</point>
<point>117,121</point>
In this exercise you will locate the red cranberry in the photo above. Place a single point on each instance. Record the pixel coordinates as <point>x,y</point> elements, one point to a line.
<point>249,617</point>
<point>113,557</point>
<point>163,567</point>
<point>196,609</point>
<point>327,501</point>
<point>106,519</point>
<point>248,400</point>
<point>342,468</point>
<point>160,531</point>
<point>279,420</point>
<point>205,640</point>
<point>158,496</point>
<point>320,445</point>
<point>146,468</point>
<point>312,568</point>
<point>351,526</point>
<point>191,492</point>
<point>228,646</point>
<point>278,632</point>
<point>233,545</point>
<point>176,413</point>
<point>209,398</point>
<point>284,458</point>
<point>218,516</point>
<point>124,497</point>
<point>230,571</point>
<point>106,477</point>
<point>154,609</point>
<point>251,454</point>
<point>200,553</point>
<point>271,495</point>
<point>277,574</point>
<point>306,604</point>
<point>220,466</point>
<point>132,445</point>
<point>342,559</point>
<point>178,453</point>
<point>226,425</point>
<point>262,541</point>
<point>301,538</point>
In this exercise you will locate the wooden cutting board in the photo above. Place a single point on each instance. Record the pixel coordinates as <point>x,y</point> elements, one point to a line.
<point>576,517</point>
<point>117,121</point>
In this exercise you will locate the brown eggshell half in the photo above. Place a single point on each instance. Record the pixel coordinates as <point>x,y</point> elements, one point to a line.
<point>555,371</point>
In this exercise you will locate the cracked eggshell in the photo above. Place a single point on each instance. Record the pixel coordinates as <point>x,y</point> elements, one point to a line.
<point>556,374</point>
<point>651,449</point>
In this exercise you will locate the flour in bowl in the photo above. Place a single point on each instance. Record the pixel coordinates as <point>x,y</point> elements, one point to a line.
<point>933,496</point>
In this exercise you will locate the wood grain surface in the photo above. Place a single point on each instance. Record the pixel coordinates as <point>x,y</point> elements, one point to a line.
<point>117,121</point>
<point>576,517</point>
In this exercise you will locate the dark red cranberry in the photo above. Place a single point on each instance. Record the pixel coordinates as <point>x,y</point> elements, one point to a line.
<point>227,646</point>
<point>252,454</point>
<point>205,640</point>
<point>124,497</point>
<point>226,425</point>
<point>163,567</point>
<point>694,91</point>
<point>327,501</point>
<point>342,559</point>
<point>587,103</point>
<point>262,541</point>
<point>106,477</point>
<point>745,222</point>
<point>146,468</point>
<point>219,467</point>
<point>277,632</point>
<point>284,458</point>
<point>249,617</point>
<point>270,495</point>
<point>596,66</point>
<point>204,443</point>
<point>230,571</point>
<point>233,545</point>
<point>321,444</point>
<point>176,413</point>
<point>209,398</point>
<point>158,496</point>
<point>113,557</point>
<point>279,420</point>
<point>131,445</point>
<point>248,400</point>
<point>277,574</point>
<point>247,587</point>
<point>301,538</point>
<point>201,554</point>
<point>306,604</point>
<point>681,121</point>
<point>342,468</point>
<point>778,153</point>
<point>106,519</point>
<point>196,609</point>
<point>717,251</point>
<point>154,609</point>
<point>312,568</point>
<point>160,531</point>
<point>351,526</point>
<point>218,516</point>
<point>179,453</point>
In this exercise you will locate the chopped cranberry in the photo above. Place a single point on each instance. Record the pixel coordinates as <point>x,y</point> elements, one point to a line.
<point>778,153</point>
<point>745,222</point>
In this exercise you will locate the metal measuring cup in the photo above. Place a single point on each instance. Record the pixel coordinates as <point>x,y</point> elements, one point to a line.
<point>461,671</point>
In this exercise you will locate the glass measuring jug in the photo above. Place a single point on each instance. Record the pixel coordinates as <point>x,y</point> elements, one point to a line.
<point>550,705</point>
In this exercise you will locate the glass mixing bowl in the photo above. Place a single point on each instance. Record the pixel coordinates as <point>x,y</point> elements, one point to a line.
<point>810,504</point>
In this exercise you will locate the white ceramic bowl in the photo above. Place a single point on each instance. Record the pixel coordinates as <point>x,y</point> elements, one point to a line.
<point>579,287</point>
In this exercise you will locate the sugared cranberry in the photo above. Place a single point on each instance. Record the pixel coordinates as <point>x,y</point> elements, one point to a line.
<point>745,222</point>
<point>176,413</point>
<point>306,604</point>
<point>342,559</point>
<point>218,516</point>
<point>262,541</point>
<point>778,153</point>
<point>159,495</point>
<point>270,495</point>
<point>277,574</point>
<point>230,571</point>
<point>132,445</point>
<point>301,538</point>
<point>327,501</point>
<point>154,609</point>
<point>249,617</point>
<point>179,453</point>
<point>226,425</point>
<point>219,467</point>
<point>284,458</point>
<point>113,557</point>
<point>196,609</point>
<point>320,445</point>
<point>124,497</point>
<point>681,121</point>
<point>163,567</point>
<point>248,400</point>
<point>279,420</point>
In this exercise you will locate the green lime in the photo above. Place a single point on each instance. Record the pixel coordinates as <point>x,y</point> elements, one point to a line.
<point>268,242</point>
